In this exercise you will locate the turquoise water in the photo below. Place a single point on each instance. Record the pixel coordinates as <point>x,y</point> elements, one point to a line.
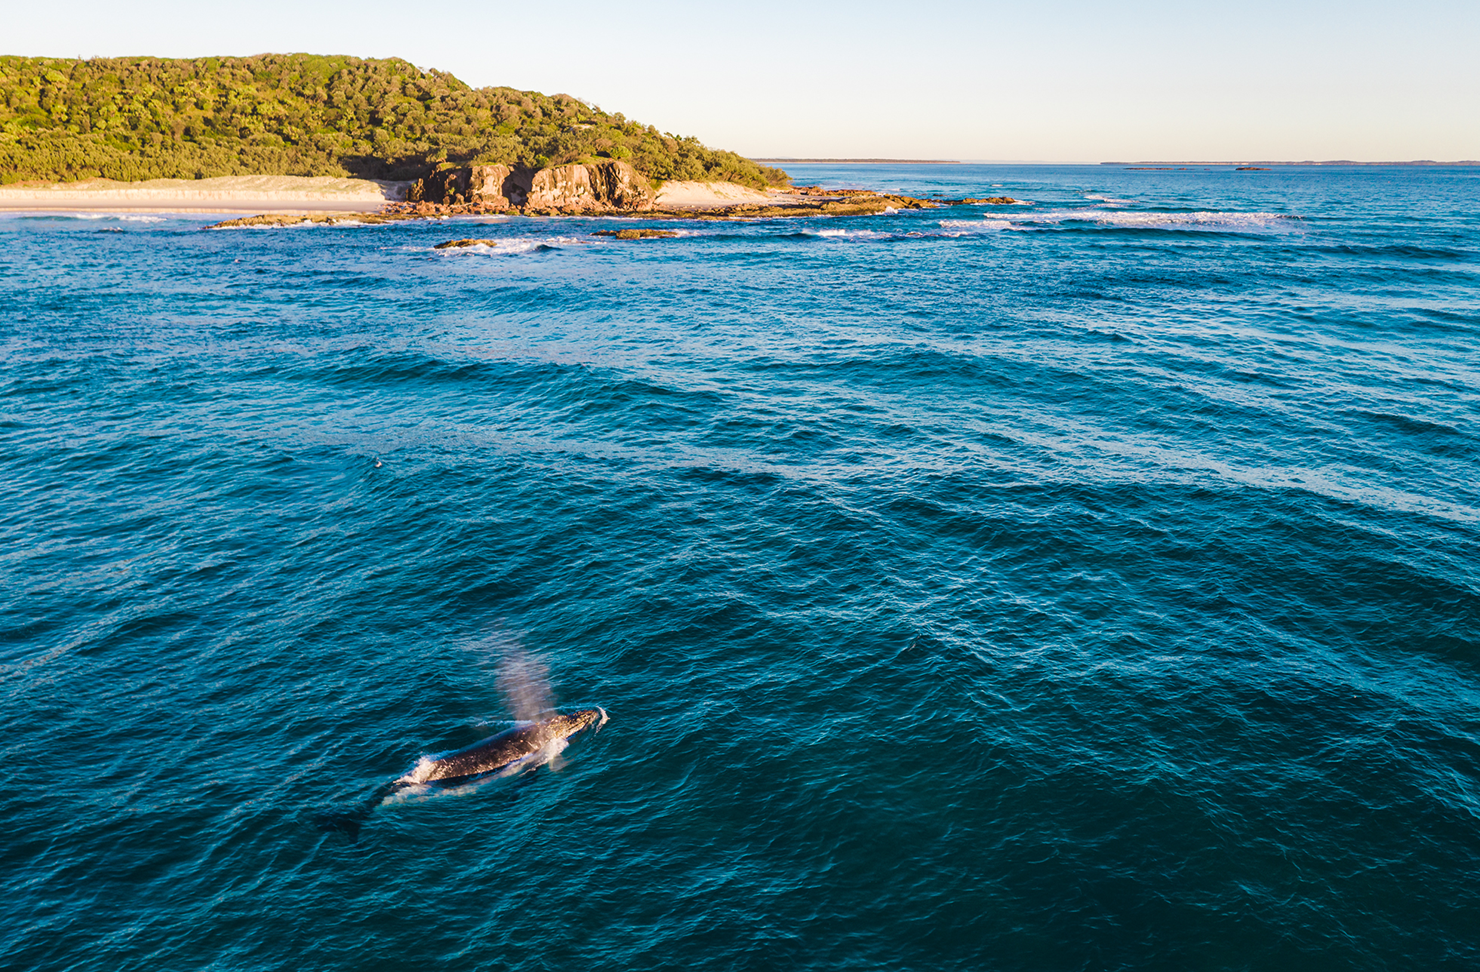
<point>1090,584</point>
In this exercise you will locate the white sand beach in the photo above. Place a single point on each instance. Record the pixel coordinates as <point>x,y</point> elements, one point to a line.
<point>712,195</point>
<point>225,194</point>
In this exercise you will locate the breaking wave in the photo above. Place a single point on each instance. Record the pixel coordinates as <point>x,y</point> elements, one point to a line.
<point>1198,220</point>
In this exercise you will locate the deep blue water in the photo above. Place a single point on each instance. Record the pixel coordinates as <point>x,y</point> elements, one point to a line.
<point>1093,584</point>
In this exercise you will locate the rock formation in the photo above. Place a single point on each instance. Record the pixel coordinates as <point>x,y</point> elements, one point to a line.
<point>607,185</point>
<point>636,234</point>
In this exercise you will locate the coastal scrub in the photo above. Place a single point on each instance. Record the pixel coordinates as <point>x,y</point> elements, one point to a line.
<point>130,119</point>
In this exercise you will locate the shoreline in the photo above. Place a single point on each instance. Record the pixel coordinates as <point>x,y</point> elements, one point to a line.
<point>223,194</point>
<point>283,200</point>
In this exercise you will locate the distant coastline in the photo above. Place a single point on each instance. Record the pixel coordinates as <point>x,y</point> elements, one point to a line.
<point>1417,162</point>
<point>859,161</point>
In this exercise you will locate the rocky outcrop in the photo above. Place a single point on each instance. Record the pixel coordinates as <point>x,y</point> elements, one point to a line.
<point>594,187</point>
<point>620,185</point>
<point>636,234</point>
<point>494,185</point>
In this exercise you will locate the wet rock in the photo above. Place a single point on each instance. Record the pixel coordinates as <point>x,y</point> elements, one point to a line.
<point>455,244</point>
<point>295,219</point>
<point>635,234</point>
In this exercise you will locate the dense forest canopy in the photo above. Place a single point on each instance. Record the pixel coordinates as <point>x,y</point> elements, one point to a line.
<point>299,114</point>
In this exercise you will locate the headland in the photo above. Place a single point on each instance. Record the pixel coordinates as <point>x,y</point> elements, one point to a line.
<point>280,135</point>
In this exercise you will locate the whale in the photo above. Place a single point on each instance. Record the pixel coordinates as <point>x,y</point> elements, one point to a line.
<point>524,746</point>
<point>505,749</point>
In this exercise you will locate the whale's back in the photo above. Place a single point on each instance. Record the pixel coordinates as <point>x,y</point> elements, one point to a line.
<point>509,746</point>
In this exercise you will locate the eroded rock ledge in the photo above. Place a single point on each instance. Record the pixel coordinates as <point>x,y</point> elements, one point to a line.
<point>606,188</point>
<point>594,187</point>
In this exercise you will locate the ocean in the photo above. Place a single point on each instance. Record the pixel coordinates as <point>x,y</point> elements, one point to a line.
<point>1091,583</point>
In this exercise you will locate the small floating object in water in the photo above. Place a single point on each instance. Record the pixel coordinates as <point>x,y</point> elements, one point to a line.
<point>454,244</point>
<point>635,234</point>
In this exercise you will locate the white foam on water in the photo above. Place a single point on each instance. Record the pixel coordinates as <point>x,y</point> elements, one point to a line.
<point>858,234</point>
<point>512,247</point>
<point>453,251</point>
<point>1210,220</point>
<point>975,225</point>
<point>91,217</point>
<point>419,773</point>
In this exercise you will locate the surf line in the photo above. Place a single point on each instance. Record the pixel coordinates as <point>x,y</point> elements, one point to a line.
<point>529,745</point>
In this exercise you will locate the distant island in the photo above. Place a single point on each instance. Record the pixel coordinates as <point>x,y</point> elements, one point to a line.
<point>142,118</point>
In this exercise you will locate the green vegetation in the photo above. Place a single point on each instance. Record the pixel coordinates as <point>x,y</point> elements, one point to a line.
<point>298,114</point>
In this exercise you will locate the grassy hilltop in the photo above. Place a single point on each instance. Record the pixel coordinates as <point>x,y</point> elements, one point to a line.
<point>299,114</point>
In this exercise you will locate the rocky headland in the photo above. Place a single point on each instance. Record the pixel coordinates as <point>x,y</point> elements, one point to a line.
<point>605,187</point>
<point>612,187</point>
<point>602,186</point>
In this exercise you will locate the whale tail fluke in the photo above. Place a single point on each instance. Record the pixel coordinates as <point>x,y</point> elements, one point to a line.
<point>345,822</point>
<point>349,821</point>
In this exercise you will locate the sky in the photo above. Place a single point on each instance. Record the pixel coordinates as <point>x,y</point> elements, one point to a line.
<point>1048,81</point>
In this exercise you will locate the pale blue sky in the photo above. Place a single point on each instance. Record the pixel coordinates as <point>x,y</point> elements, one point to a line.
<point>1050,81</point>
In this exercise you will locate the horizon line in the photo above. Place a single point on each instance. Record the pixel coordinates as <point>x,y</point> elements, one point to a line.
<point>1203,162</point>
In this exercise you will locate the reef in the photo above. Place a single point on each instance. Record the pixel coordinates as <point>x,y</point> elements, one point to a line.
<point>636,234</point>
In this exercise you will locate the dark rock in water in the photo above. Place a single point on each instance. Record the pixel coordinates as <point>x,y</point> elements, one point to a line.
<point>1252,168</point>
<point>454,244</point>
<point>993,201</point>
<point>635,234</point>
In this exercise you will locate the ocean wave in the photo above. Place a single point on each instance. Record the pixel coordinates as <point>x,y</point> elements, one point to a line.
<point>514,247</point>
<point>1204,219</point>
<point>964,227</point>
<point>1122,219</point>
<point>844,234</point>
<point>89,217</point>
